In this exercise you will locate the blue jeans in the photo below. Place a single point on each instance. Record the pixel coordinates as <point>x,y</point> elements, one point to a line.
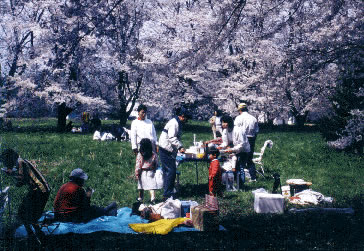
<point>168,161</point>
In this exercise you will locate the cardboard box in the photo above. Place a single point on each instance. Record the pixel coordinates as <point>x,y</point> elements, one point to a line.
<point>268,203</point>
<point>204,218</point>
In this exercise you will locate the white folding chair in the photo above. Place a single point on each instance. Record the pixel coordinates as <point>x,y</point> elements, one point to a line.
<point>258,157</point>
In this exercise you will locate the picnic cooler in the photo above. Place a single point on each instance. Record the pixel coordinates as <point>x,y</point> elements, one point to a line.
<point>186,206</point>
<point>268,203</point>
<point>205,217</point>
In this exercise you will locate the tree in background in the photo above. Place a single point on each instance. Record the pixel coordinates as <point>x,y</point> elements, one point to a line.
<point>344,127</point>
<point>281,56</point>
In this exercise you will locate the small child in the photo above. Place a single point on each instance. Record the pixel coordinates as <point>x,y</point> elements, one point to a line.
<point>228,169</point>
<point>145,167</point>
<point>215,183</point>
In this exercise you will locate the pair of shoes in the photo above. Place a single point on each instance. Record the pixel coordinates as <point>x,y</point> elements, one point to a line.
<point>253,180</point>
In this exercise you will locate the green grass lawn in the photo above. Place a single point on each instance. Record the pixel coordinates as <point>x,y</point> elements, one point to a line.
<point>295,154</point>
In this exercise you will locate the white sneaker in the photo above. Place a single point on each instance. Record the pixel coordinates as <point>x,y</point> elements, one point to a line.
<point>253,180</point>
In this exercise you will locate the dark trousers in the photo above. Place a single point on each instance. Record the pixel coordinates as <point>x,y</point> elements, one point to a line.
<point>250,164</point>
<point>168,161</point>
<point>29,211</point>
<point>87,214</point>
<point>240,165</point>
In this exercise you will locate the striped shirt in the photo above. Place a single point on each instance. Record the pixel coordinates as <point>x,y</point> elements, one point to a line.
<point>29,175</point>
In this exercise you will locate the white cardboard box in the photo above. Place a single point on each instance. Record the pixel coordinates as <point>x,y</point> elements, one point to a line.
<point>268,203</point>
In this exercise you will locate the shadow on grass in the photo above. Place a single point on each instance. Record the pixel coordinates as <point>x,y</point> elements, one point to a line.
<point>193,190</point>
<point>288,231</point>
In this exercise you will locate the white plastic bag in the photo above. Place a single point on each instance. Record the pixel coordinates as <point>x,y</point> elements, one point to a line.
<point>97,135</point>
<point>159,178</point>
<point>107,136</point>
<point>171,209</point>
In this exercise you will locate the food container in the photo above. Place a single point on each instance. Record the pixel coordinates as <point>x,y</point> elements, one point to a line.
<point>268,203</point>
<point>186,207</point>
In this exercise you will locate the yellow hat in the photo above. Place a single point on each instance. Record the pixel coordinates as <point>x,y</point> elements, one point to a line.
<point>242,105</point>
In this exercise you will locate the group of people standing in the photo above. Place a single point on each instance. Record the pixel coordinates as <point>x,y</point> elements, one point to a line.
<point>237,139</point>
<point>145,146</point>
<point>72,202</point>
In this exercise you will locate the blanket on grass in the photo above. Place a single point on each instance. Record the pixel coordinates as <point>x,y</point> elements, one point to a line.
<point>117,224</point>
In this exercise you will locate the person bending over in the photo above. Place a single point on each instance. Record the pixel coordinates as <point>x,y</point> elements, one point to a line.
<point>33,203</point>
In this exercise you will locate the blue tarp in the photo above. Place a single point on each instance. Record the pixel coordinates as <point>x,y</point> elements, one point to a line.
<point>117,224</point>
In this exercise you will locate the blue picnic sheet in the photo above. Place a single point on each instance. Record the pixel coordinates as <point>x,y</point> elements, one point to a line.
<point>117,224</point>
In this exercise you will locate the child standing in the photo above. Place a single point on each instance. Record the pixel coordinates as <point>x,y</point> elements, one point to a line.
<point>215,184</point>
<point>145,167</point>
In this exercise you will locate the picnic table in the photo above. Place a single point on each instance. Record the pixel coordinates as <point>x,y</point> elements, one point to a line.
<point>191,158</point>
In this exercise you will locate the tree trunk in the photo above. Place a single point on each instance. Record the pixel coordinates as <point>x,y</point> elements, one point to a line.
<point>123,116</point>
<point>63,111</point>
<point>301,119</point>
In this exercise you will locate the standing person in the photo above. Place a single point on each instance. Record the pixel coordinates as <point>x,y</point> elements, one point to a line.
<point>212,121</point>
<point>145,167</point>
<point>218,123</point>
<point>72,202</point>
<point>229,165</point>
<point>169,144</point>
<point>142,128</point>
<point>215,182</point>
<point>33,203</point>
<point>249,125</point>
<point>241,148</point>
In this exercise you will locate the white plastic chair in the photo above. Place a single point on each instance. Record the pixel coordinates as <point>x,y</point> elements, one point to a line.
<point>258,157</point>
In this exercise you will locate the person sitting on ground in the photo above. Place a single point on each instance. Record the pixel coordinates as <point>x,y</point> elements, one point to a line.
<point>215,183</point>
<point>33,203</point>
<point>145,167</point>
<point>72,202</point>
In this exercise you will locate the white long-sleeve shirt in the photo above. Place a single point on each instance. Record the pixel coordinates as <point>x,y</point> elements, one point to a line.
<point>248,123</point>
<point>227,138</point>
<point>142,129</point>
<point>170,136</point>
<point>218,124</point>
<point>241,143</point>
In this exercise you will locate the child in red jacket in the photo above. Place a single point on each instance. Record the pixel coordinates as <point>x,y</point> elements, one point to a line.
<point>215,183</point>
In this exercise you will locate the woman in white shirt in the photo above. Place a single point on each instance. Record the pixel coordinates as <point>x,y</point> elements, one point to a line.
<point>142,128</point>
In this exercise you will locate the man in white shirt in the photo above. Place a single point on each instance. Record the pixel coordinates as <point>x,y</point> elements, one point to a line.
<point>249,125</point>
<point>169,144</point>
<point>142,128</point>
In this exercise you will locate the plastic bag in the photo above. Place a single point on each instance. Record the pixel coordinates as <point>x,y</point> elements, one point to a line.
<point>171,209</point>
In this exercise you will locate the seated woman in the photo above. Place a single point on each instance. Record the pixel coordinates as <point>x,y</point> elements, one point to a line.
<point>72,203</point>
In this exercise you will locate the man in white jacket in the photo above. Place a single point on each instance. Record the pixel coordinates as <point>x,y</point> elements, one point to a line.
<point>249,125</point>
<point>169,144</point>
<point>142,128</point>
